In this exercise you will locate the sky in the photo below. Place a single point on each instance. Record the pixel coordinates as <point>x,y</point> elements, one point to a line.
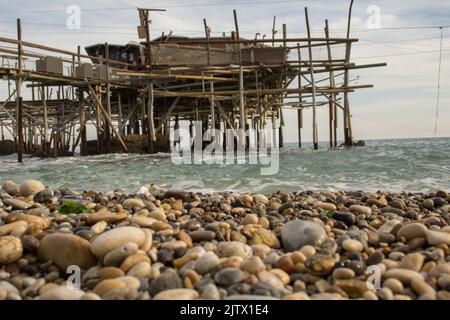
<point>405,35</point>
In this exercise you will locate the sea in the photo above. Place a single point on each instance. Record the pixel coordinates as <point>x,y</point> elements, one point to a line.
<point>410,165</point>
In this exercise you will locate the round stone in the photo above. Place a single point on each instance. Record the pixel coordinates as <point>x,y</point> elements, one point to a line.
<point>111,273</point>
<point>177,294</point>
<point>412,261</point>
<point>343,273</point>
<point>271,280</point>
<point>206,263</point>
<point>361,209</point>
<point>116,256</point>
<point>324,206</point>
<point>253,265</point>
<point>133,203</point>
<point>61,293</point>
<point>229,276</point>
<point>403,275</point>
<point>412,230</point>
<point>169,279</point>
<point>435,238</point>
<point>352,245</point>
<point>320,264</point>
<point>140,270</point>
<point>298,233</point>
<point>158,214</point>
<point>66,250</point>
<point>109,240</point>
<point>428,204</point>
<point>107,285</point>
<point>133,260</point>
<point>30,187</point>
<point>11,187</point>
<point>10,227</point>
<point>233,248</point>
<point>395,285</point>
<point>10,249</point>
<point>264,236</point>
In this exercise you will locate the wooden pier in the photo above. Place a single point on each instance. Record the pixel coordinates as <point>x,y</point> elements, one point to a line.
<point>133,95</point>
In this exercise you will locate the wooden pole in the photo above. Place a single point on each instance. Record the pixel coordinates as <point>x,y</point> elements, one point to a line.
<point>212,103</point>
<point>332,98</point>
<point>120,121</point>
<point>83,147</point>
<point>242,120</point>
<point>44,104</point>
<point>299,110</point>
<point>151,124</point>
<point>19,113</point>
<point>311,67</point>
<point>273,31</point>
<point>207,35</point>
<point>236,25</point>
<point>108,98</point>
<point>347,117</point>
<point>99,104</point>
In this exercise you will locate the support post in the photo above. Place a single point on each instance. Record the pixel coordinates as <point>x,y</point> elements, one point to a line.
<point>311,67</point>
<point>242,120</point>
<point>151,124</point>
<point>19,132</point>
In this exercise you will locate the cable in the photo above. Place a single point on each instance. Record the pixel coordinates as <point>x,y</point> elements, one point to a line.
<point>401,54</point>
<point>438,86</point>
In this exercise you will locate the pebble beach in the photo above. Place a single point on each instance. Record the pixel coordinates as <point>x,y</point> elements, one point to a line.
<point>166,244</point>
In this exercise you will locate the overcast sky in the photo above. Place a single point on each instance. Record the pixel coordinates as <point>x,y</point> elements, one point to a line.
<point>402,104</point>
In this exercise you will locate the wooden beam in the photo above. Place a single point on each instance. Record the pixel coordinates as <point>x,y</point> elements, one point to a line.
<point>99,104</point>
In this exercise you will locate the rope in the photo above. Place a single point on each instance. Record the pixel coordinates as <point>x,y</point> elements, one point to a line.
<point>439,85</point>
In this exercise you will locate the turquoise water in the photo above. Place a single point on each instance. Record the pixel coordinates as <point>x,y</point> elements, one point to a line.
<point>414,165</point>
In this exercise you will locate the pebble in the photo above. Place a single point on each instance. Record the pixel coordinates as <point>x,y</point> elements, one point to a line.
<point>423,288</point>
<point>169,279</point>
<point>177,294</point>
<point>271,280</point>
<point>109,240</point>
<point>10,227</point>
<point>10,249</point>
<point>324,206</point>
<point>435,238</point>
<point>62,293</point>
<point>11,187</point>
<point>30,187</point>
<point>66,250</point>
<point>428,203</point>
<point>361,209</point>
<point>320,264</point>
<point>413,261</point>
<point>132,260</point>
<point>133,203</point>
<point>17,204</point>
<point>412,230</point>
<point>116,256</point>
<point>404,275</point>
<point>352,245</point>
<point>253,265</point>
<point>394,285</point>
<point>229,276</point>
<point>343,273</point>
<point>206,263</point>
<point>298,233</point>
<point>264,236</point>
<point>234,248</point>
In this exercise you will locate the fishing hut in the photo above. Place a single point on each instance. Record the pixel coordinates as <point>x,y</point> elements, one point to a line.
<point>132,95</point>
